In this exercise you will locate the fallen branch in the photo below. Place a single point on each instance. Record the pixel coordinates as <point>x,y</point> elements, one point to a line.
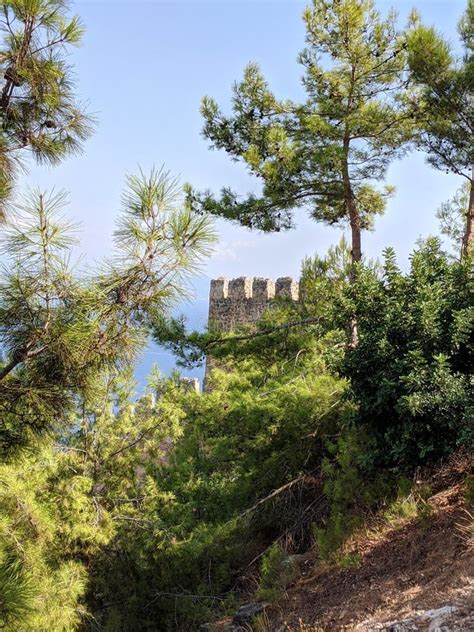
<point>274,493</point>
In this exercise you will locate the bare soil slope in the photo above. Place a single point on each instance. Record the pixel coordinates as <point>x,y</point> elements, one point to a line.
<point>427,563</point>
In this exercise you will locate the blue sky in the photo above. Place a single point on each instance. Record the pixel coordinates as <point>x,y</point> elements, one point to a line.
<point>144,67</point>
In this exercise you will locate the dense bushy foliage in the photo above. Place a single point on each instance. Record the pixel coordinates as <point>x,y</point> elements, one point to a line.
<point>262,427</point>
<point>163,509</point>
<point>411,371</point>
<point>46,517</point>
<point>298,436</point>
<point>126,513</point>
<point>66,338</point>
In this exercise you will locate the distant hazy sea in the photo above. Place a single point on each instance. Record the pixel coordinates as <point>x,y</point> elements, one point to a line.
<point>165,360</point>
<point>196,315</point>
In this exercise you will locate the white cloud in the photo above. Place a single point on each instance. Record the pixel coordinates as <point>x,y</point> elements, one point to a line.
<point>232,250</point>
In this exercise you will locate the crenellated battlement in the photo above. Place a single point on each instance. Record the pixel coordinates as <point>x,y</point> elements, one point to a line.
<point>256,288</point>
<point>243,300</point>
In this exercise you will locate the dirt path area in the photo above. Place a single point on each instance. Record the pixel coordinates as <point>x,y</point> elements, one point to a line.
<point>424,565</point>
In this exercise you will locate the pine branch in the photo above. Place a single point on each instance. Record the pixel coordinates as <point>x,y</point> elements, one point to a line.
<point>262,332</point>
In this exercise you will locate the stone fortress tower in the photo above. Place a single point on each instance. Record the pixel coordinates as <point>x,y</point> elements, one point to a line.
<point>242,301</point>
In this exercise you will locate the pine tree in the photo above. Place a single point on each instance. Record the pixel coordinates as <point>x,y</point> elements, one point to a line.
<point>324,154</point>
<point>41,523</point>
<point>38,110</point>
<point>444,102</point>
<point>58,327</point>
<point>452,215</point>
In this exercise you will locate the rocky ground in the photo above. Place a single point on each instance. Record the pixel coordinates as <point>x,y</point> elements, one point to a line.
<point>414,576</point>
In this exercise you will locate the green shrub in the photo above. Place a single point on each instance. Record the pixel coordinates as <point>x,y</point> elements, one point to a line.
<point>411,372</point>
<point>470,490</point>
<point>277,571</point>
<point>350,560</point>
<point>16,592</point>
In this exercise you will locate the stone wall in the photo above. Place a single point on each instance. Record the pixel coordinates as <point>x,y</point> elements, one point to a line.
<point>242,301</point>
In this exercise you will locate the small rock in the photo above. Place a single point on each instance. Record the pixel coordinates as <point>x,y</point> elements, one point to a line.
<point>247,613</point>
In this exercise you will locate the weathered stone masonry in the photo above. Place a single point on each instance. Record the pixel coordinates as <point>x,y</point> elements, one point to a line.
<point>242,301</point>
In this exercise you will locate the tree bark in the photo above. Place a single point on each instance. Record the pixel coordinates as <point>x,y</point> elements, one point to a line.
<point>354,221</point>
<point>8,368</point>
<point>469,226</point>
<point>356,247</point>
<point>20,356</point>
<point>351,208</point>
<point>9,86</point>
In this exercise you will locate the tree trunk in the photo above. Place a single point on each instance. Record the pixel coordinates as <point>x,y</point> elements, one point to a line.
<point>354,220</point>
<point>469,226</point>
<point>9,86</point>
<point>351,208</point>
<point>356,255</point>
<point>356,248</point>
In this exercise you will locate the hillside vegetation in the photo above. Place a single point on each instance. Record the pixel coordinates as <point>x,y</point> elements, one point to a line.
<point>325,474</point>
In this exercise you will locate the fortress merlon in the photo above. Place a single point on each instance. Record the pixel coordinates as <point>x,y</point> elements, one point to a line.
<point>242,301</point>
<point>257,288</point>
